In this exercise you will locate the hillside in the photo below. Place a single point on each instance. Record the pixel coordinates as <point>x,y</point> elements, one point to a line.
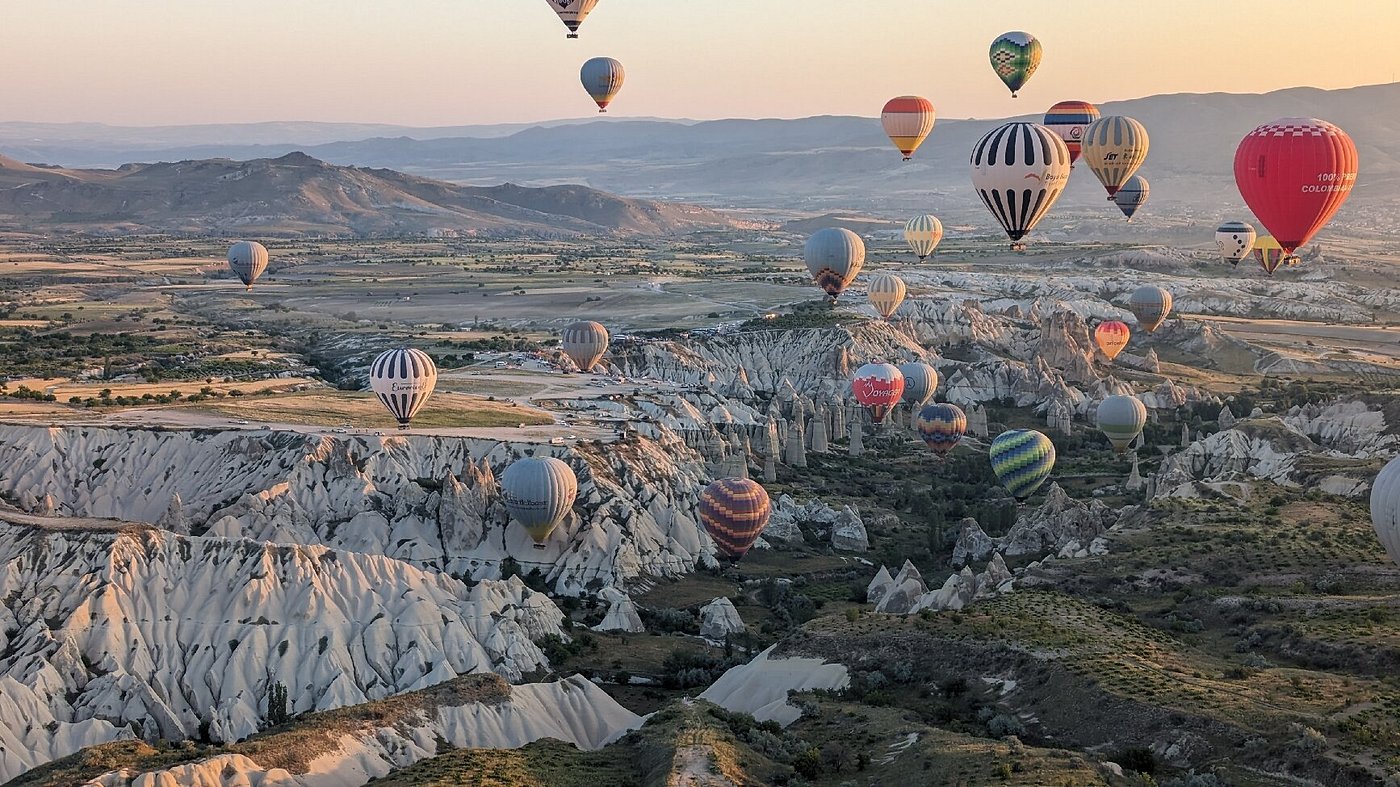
<point>300,195</point>
<point>808,163</point>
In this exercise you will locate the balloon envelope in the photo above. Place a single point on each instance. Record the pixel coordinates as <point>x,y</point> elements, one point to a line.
<point>834,257</point>
<point>1269,254</point>
<point>1385,508</point>
<point>602,77</point>
<point>877,387</point>
<point>1295,173</point>
<point>1015,56</point>
<point>1121,418</point>
<point>1069,119</point>
<point>1114,148</point>
<point>585,342</point>
<point>572,13</point>
<point>1132,196</point>
<point>908,121</point>
<point>923,234</point>
<point>1022,459</point>
<point>539,492</point>
<point>247,260</point>
<point>1112,336</point>
<point>734,512</point>
<point>403,380</point>
<point>941,427</point>
<point>1019,170</point>
<point>887,291</point>
<point>920,382</point>
<point>1235,239</point>
<point>1150,305</point>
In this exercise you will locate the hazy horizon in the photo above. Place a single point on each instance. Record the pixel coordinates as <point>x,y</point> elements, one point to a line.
<point>445,63</point>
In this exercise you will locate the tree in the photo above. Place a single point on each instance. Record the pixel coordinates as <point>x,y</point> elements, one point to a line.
<point>278,711</point>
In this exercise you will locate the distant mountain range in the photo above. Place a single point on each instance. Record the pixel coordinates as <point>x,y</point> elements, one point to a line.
<point>813,164</point>
<point>298,194</point>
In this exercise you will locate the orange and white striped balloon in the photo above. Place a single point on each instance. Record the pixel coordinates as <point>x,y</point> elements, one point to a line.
<point>908,120</point>
<point>1112,337</point>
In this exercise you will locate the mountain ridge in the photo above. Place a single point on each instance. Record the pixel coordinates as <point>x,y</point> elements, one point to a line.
<point>297,194</point>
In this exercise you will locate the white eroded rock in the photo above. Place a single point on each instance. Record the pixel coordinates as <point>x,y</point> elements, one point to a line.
<point>146,630</point>
<point>719,619</point>
<point>760,687</point>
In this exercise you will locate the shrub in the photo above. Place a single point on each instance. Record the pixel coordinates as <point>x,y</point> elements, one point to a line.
<point>1137,758</point>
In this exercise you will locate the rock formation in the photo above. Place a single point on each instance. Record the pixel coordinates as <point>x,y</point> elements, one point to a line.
<point>719,620</point>
<point>114,631</point>
<point>622,613</point>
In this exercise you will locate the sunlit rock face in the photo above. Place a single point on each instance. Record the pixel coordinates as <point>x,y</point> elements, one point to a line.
<point>432,501</point>
<point>110,634</point>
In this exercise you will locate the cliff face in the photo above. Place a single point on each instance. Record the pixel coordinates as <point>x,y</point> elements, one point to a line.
<point>432,501</point>
<point>114,633</point>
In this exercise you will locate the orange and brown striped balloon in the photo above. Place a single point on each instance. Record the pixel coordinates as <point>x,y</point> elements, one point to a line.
<point>734,512</point>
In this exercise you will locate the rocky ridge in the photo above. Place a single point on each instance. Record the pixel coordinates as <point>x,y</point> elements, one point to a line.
<point>139,632</point>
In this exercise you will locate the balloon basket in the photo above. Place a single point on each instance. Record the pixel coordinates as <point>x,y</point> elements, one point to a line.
<point>539,546</point>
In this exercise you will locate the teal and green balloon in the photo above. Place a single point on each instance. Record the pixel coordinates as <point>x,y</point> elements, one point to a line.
<point>1015,56</point>
<point>1022,460</point>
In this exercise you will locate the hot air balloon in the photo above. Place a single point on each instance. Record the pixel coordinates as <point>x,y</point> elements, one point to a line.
<point>1131,196</point>
<point>908,121</point>
<point>734,512</point>
<point>1385,508</point>
<point>1269,254</point>
<point>1121,418</point>
<point>1295,173</point>
<point>1112,336</point>
<point>1069,119</point>
<point>920,383</point>
<point>923,234</point>
<point>1015,57</point>
<point>247,259</point>
<point>403,380</point>
<point>834,256</point>
<point>941,427</point>
<point>877,387</point>
<point>1150,305</point>
<point>572,13</point>
<point>585,342</point>
<point>602,77</point>
<point>1022,460</point>
<point>1019,170</point>
<point>1235,239</point>
<point>1114,147</point>
<point>539,492</point>
<point>887,291</point>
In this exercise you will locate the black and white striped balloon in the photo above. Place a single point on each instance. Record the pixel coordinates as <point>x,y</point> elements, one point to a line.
<point>1019,170</point>
<point>403,379</point>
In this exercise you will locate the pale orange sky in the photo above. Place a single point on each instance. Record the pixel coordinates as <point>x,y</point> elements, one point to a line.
<point>445,62</point>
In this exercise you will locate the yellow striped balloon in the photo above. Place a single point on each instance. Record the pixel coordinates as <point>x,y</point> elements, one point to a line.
<point>1114,147</point>
<point>887,291</point>
<point>1269,254</point>
<point>923,234</point>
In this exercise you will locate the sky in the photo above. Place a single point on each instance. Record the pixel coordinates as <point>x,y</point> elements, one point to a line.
<point>456,62</point>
